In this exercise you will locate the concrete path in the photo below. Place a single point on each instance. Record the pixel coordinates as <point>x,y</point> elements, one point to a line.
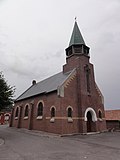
<point>1,141</point>
<point>21,144</point>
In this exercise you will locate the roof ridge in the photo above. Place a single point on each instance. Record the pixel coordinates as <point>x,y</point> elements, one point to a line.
<point>45,86</point>
<point>48,77</point>
<point>53,76</point>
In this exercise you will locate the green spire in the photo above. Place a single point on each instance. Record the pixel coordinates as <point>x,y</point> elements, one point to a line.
<point>76,37</point>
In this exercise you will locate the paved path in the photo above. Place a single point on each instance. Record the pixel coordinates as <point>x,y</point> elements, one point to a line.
<point>20,144</point>
<point>1,141</point>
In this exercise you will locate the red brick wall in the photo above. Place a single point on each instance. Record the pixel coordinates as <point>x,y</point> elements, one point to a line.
<point>75,95</point>
<point>86,99</point>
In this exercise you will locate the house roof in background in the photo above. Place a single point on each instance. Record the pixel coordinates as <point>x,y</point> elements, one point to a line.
<point>112,114</point>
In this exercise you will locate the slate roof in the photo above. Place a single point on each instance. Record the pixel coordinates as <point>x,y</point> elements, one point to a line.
<point>76,37</point>
<point>48,85</point>
<point>112,114</point>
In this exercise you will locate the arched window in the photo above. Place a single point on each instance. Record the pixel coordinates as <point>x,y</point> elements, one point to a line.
<point>70,112</point>
<point>100,114</point>
<point>16,112</point>
<point>40,109</point>
<point>52,112</point>
<point>26,111</point>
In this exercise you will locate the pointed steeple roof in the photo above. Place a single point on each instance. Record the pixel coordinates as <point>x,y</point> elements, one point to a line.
<point>76,37</point>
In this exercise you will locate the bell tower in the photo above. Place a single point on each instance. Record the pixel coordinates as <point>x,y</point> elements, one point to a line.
<point>76,48</point>
<point>77,44</point>
<point>89,99</point>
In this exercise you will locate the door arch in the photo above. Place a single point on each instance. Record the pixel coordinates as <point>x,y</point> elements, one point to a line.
<point>90,118</point>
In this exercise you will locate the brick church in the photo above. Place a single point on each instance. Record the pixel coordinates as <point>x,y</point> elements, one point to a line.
<point>67,102</point>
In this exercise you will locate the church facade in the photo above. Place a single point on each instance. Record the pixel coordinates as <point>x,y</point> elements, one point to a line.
<point>66,103</point>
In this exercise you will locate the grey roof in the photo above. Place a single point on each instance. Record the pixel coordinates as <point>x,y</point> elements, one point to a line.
<point>76,37</point>
<point>48,85</point>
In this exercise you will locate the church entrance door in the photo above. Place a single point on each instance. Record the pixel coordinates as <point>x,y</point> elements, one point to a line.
<point>89,122</point>
<point>90,118</point>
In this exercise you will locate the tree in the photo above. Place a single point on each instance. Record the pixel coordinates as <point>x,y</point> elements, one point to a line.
<point>6,93</point>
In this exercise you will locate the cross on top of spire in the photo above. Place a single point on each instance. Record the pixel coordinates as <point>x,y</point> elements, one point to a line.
<point>75,19</point>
